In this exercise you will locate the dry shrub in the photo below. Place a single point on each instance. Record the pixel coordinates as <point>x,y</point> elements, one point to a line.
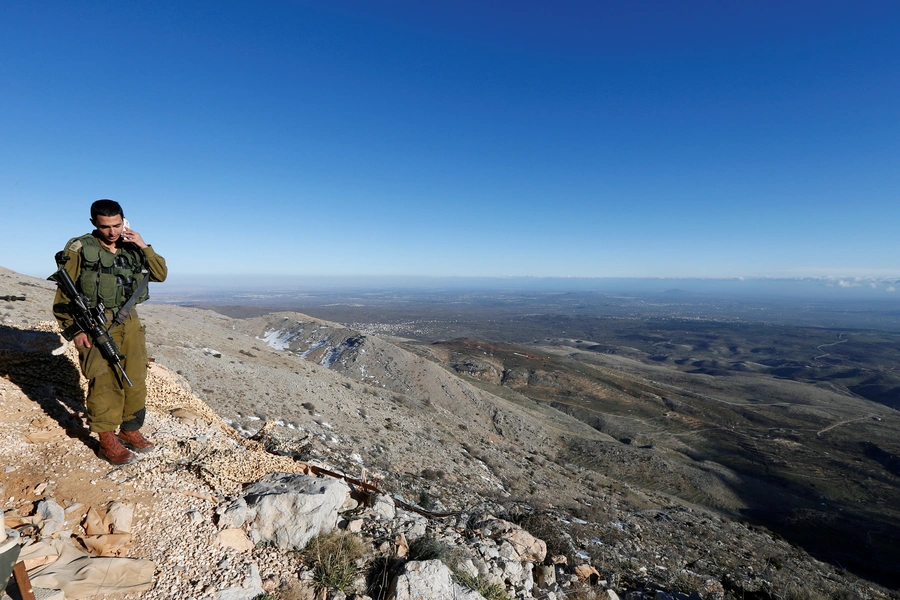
<point>490,591</point>
<point>586,592</point>
<point>428,548</point>
<point>334,556</point>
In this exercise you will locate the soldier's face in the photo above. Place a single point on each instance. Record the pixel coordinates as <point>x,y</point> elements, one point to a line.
<point>109,228</point>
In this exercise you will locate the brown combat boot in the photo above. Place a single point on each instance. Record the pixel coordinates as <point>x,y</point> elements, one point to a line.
<point>135,440</point>
<point>112,449</point>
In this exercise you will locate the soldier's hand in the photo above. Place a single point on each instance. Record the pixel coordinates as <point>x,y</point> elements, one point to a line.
<point>130,235</point>
<point>82,340</point>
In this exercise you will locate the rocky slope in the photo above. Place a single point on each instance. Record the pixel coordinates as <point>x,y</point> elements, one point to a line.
<point>360,406</point>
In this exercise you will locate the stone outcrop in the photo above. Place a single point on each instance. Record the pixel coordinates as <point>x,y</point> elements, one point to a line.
<point>287,510</point>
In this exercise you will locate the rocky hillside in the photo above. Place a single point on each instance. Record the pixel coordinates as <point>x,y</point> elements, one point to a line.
<point>297,459</point>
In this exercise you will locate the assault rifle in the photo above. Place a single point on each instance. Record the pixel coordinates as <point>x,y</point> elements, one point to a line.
<point>88,319</point>
<point>12,298</point>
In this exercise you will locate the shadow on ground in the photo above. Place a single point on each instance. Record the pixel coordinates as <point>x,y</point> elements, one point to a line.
<point>52,381</point>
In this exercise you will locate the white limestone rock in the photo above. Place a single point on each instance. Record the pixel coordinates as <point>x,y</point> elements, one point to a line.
<point>249,589</point>
<point>431,580</point>
<point>384,507</point>
<point>286,509</point>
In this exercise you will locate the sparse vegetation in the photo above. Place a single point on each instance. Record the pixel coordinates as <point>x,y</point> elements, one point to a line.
<point>428,548</point>
<point>379,577</point>
<point>334,557</point>
<point>490,591</point>
<point>586,592</point>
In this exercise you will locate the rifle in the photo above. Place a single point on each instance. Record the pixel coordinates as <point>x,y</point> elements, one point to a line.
<point>13,298</point>
<point>89,319</point>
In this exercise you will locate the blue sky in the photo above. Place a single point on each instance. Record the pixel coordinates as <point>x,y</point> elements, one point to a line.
<point>590,139</point>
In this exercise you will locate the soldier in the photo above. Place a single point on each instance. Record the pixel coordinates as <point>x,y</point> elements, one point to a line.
<point>107,265</point>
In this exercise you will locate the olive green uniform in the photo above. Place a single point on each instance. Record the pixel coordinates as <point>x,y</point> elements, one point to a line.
<point>111,402</point>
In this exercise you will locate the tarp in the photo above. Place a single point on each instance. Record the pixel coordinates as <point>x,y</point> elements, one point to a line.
<point>81,575</point>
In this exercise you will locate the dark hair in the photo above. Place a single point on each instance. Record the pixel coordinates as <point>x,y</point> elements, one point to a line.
<point>105,208</point>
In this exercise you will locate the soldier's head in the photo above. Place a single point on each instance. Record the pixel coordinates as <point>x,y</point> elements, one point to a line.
<point>107,217</point>
<point>105,208</point>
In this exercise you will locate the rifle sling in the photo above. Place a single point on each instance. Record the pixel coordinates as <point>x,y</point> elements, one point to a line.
<point>123,312</point>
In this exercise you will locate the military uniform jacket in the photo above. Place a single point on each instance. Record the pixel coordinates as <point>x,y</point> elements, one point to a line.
<point>153,262</point>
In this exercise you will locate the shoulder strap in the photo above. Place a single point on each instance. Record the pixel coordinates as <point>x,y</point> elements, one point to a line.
<point>89,248</point>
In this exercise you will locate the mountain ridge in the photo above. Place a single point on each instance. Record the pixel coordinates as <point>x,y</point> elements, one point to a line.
<point>425,434</point>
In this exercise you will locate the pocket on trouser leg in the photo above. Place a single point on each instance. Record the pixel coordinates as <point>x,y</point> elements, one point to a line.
<point>92,363</point>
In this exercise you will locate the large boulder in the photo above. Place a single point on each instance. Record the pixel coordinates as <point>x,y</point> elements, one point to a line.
<point>287,509</point>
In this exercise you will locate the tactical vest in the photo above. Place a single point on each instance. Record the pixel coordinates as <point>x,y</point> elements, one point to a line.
<point>107,277</point>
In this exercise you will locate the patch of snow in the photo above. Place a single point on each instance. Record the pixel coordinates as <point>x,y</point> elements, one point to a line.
<point>279,339</point>
<point>331,355</point>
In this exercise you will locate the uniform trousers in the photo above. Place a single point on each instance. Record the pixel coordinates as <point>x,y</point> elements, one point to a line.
<point>111,402</point>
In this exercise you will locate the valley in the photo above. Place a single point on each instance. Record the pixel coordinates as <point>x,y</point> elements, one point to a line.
<point>779,422</point>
